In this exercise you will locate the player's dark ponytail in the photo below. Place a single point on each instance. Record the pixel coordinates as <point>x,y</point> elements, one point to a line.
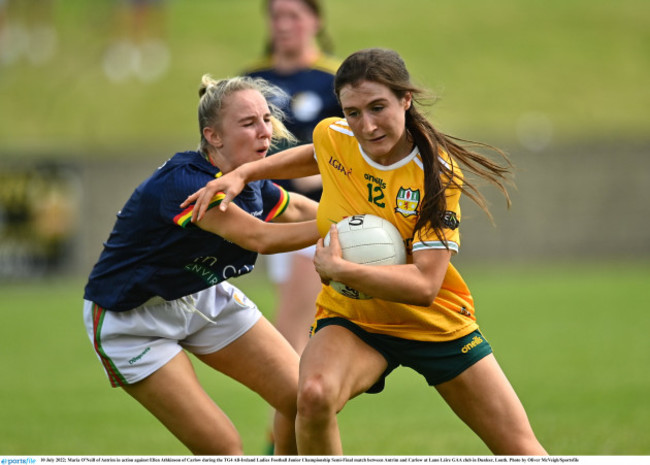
<point>434,201</point>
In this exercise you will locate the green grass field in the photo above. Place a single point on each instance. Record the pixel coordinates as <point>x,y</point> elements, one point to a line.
<point>571,337</point>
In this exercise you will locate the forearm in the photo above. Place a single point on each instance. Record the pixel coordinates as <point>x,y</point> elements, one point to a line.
<point>397,283</point>
<point>267,238</point>
<point>278,238</point>
<point>292,163</point>
<point>250,233</point>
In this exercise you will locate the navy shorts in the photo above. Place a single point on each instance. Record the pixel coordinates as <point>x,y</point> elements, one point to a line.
<point>438,362</point>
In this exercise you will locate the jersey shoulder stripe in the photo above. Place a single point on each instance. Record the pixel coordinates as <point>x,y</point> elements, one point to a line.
<point>418,161</point>
<point>342,127</point>
<point>281,206</point>
<point>183,219</point>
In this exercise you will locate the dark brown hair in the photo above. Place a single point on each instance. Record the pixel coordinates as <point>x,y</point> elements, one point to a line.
<point>387,67</point>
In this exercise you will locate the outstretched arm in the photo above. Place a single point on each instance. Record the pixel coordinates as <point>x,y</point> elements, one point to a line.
<point>292,163</point>
<point>248,232</point>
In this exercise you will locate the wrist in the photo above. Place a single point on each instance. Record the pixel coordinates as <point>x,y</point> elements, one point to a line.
<point>340,270</point>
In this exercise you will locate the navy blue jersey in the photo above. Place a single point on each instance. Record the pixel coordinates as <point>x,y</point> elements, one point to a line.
<point>312,98</point>
<point>154,249</point>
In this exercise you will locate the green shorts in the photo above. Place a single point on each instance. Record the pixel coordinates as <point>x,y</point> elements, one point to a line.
<point>438,362</point>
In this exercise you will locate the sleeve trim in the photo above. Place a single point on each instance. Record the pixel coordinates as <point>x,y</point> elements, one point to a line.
<point>434,245</point>
<point>183,219</point>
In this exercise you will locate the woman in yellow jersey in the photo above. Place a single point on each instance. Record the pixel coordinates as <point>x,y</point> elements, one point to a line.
<point>386,159</point>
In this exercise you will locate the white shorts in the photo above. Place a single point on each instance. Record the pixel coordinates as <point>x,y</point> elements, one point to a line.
<point>132,345</point>
<point>279,264</point>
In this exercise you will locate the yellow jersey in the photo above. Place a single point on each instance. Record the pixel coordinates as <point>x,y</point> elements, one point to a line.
<point>354,184</point>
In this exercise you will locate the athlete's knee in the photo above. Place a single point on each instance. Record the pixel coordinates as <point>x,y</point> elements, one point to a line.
<point>316,398</point>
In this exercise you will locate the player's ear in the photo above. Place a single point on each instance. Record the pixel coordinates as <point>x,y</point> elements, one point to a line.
<point>213,137</point>
<point>407,100</point>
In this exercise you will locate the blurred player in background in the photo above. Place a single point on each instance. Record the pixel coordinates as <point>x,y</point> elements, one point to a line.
<point>160,287</point>
<point>138,48</point>
<point>385,158</point>
<point>297,59</point>
<point>27,31</point>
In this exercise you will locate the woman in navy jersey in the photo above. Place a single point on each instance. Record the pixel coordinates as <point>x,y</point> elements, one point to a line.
<point>160,290</point>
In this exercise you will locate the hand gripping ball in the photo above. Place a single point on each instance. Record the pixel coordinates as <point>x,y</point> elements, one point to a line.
<point>367,240</point>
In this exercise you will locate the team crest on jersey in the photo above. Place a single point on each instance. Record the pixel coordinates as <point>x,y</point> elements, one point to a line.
<point>408,201</point>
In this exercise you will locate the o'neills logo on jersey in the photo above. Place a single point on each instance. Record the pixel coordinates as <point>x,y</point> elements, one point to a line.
<point>338,166</point>
<point>408,201</point>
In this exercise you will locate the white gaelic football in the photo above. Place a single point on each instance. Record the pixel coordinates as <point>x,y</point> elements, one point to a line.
<point>367,240</point>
